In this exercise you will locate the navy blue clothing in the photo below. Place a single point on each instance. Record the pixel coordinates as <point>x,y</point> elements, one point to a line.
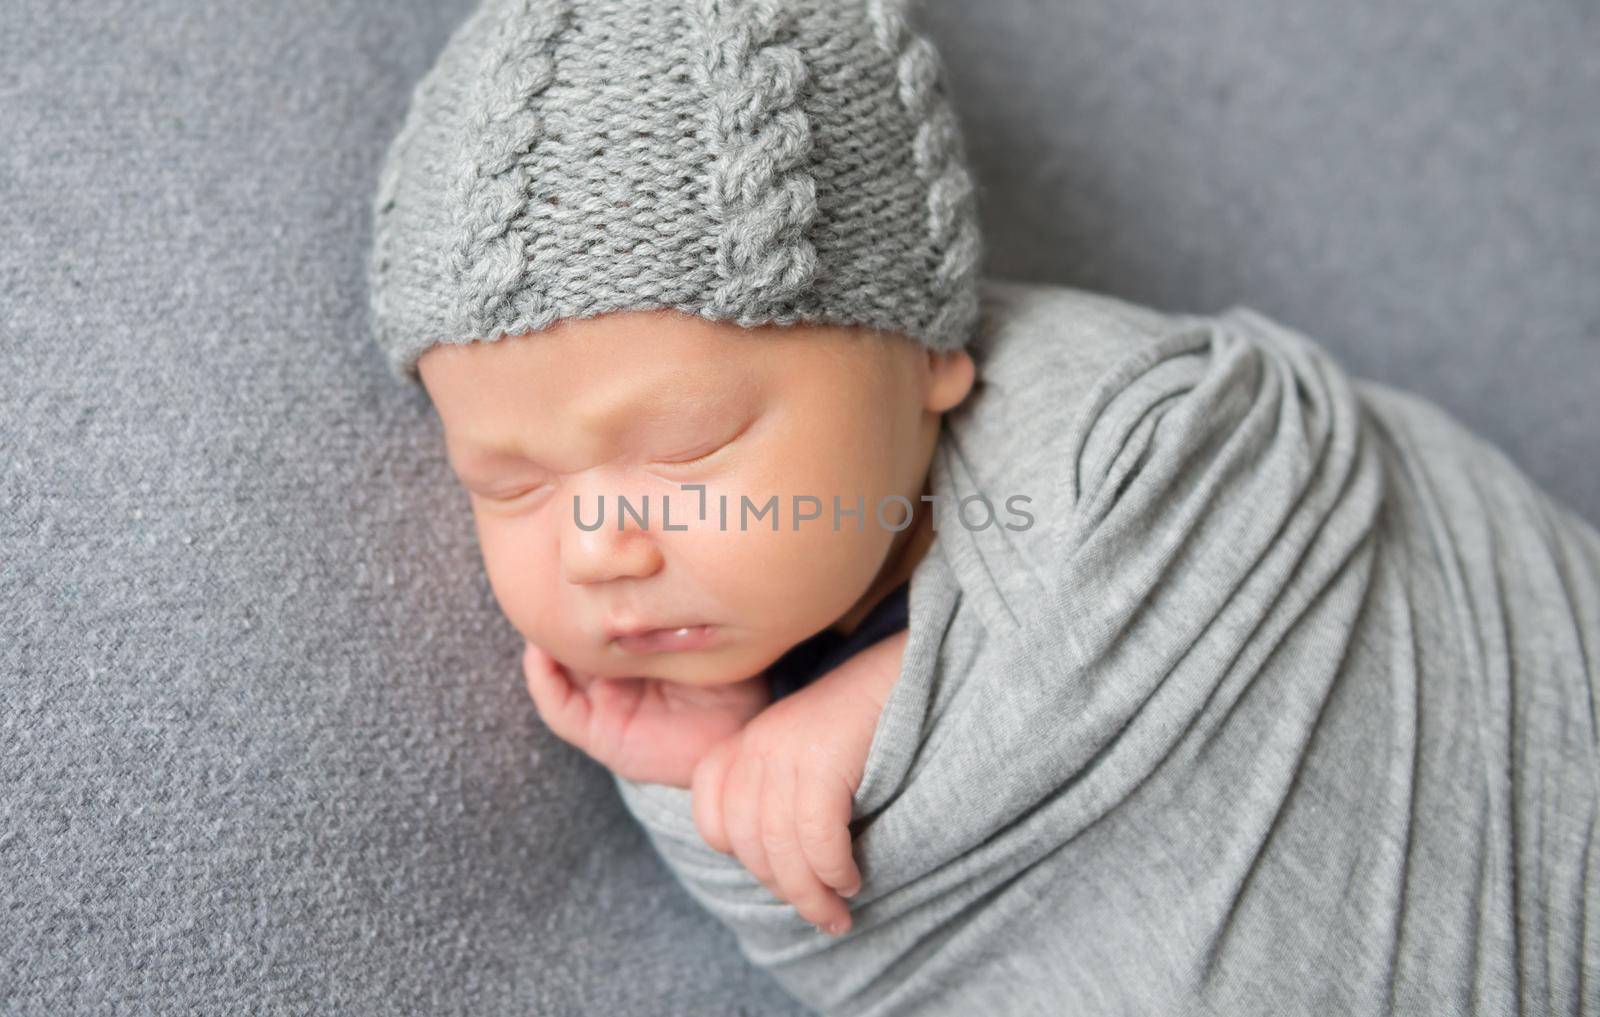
<point>811,658</point>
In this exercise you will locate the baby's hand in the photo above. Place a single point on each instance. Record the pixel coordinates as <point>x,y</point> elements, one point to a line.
<point>779,792</point>
<point>645,729</point>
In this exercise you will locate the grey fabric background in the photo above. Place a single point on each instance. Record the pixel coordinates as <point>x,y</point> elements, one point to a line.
<point>262,739</point>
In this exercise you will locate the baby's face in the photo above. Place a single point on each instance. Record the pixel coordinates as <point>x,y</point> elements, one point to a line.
<point>636,405</point>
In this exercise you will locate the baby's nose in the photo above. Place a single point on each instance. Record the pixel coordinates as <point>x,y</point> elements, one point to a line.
<point>604,539</point>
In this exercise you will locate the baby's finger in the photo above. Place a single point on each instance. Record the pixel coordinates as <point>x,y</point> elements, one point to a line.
<point>706,789</point>
<point>563,708</point>
<point>741,816</point>
<point>822,823</point>
<point>816,903</point>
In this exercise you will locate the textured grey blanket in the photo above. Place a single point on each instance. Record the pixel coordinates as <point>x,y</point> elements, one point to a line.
<point>1285,704</point>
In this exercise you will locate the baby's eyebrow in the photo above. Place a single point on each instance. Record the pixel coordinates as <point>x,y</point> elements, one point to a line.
<point>479,450</point>
<point>491,446</point>
<point>473,452</point>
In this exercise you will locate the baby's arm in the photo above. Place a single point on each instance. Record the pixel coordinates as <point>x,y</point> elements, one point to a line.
<point>778,793</point>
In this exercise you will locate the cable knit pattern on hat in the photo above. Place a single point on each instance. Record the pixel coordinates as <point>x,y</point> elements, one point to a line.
<point>941,163</point>
<point>753,161</point>
<point>760,187</point>
<point>489,260</point>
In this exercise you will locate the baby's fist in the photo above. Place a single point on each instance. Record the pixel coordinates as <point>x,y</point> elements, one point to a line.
<point>780,799</point>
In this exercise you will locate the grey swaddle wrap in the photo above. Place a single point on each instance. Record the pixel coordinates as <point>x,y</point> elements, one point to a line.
<point>1285,703</point>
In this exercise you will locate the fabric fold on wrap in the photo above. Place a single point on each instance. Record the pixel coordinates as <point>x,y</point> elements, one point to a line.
<point>1285,702</point>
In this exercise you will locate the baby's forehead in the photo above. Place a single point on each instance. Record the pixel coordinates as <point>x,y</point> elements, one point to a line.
<point>650,364</point>
<point>693,335</point>
<point>688,352</point>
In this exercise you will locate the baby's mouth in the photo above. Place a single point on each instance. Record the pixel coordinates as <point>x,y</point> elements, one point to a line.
<point>692,637</point>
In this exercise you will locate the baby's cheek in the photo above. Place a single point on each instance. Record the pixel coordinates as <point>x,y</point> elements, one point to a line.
<point>808,577</point>
<point>521,571</point>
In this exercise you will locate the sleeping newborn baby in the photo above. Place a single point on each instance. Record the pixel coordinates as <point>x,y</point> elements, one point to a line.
<point>651,627</point>
<point>1058,655</point>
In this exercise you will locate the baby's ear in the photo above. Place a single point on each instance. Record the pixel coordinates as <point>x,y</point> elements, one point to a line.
<point>950,377</point>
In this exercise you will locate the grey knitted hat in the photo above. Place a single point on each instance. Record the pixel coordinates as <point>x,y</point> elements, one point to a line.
<point>759,161</point>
